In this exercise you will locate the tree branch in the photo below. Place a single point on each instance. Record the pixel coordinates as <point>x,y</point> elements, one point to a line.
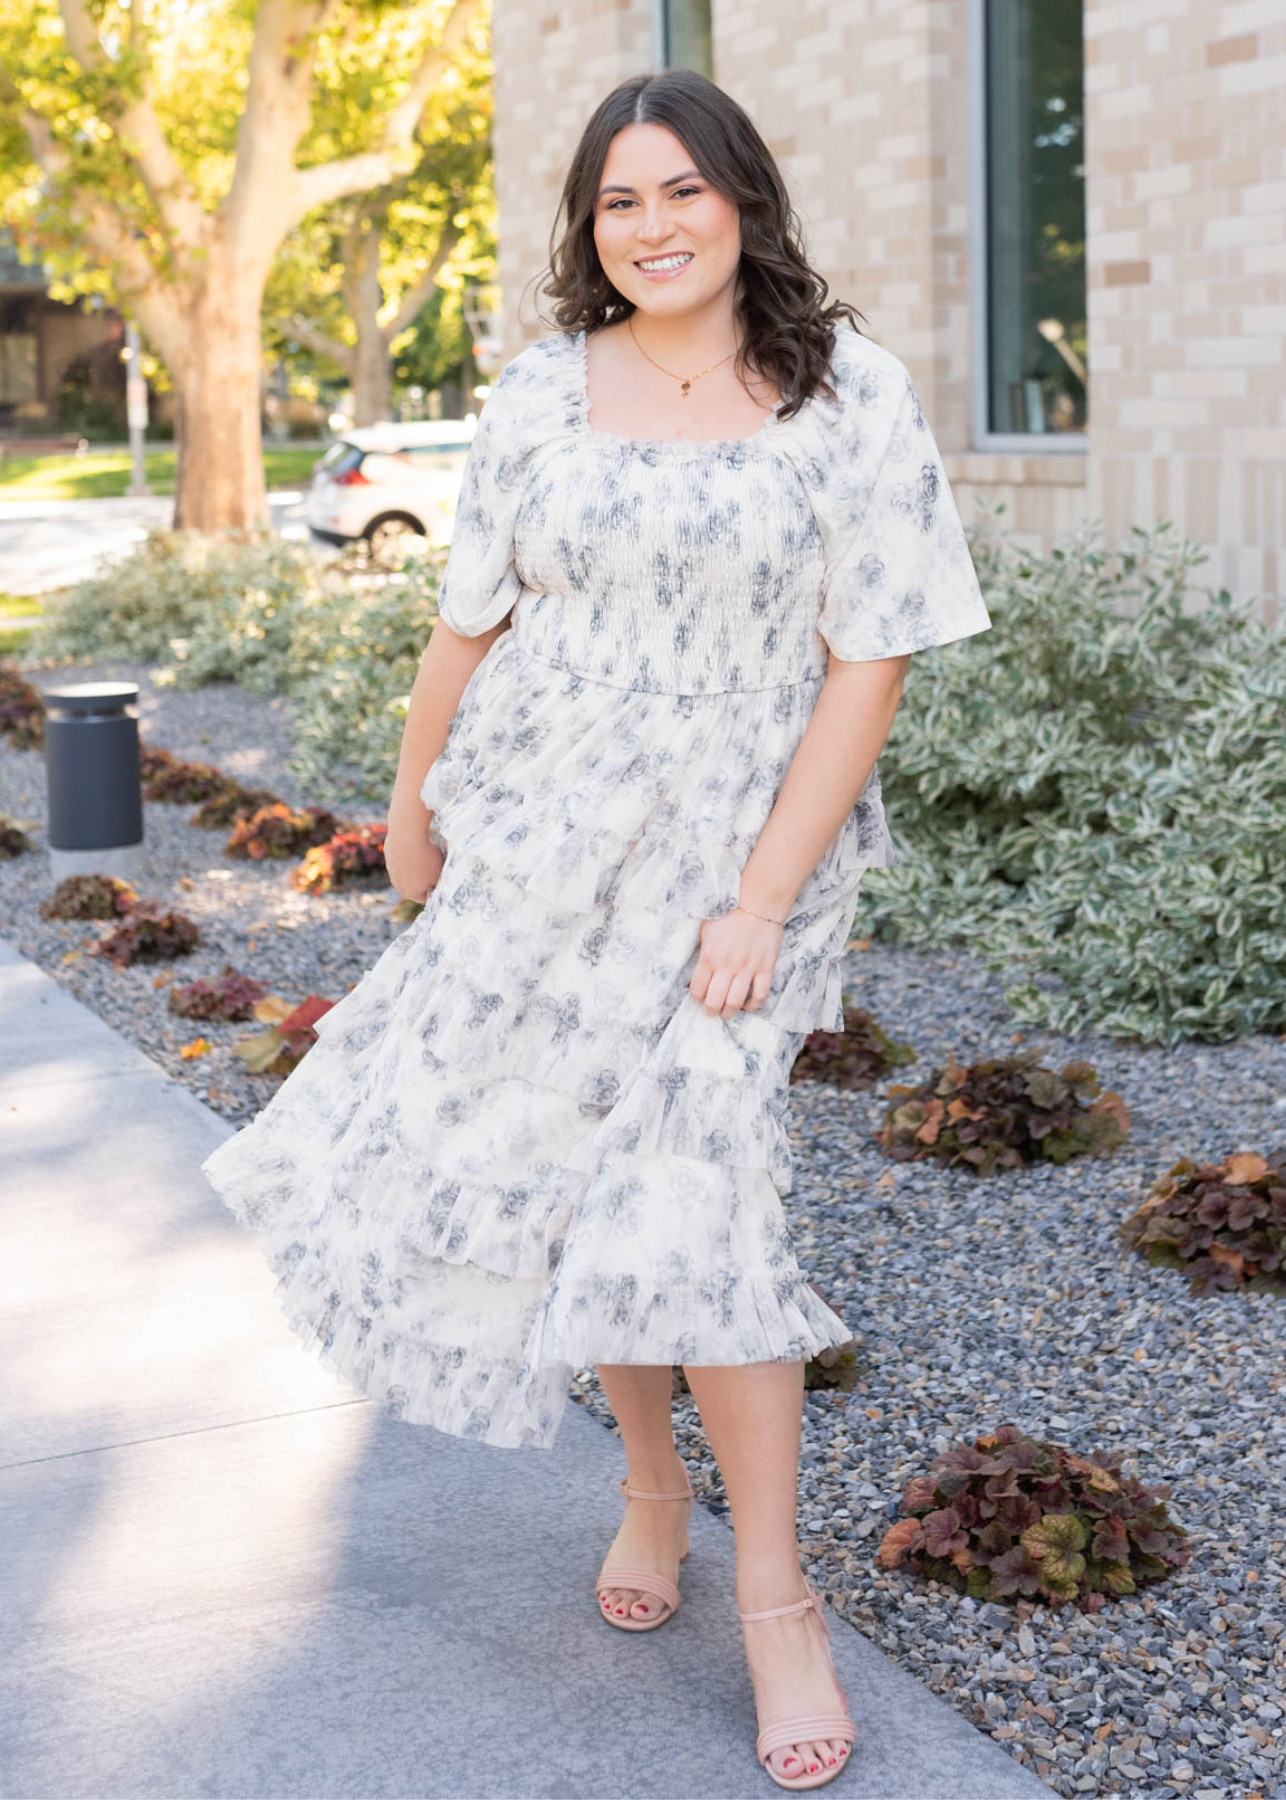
<point>317,341</point>
<point>396,156</point>
<point>138,132</point>
<point>416,298</point>
<point>406,115</point>
<point>274,118</point>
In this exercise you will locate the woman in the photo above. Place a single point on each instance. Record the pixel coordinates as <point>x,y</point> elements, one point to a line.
<point>702,529</point>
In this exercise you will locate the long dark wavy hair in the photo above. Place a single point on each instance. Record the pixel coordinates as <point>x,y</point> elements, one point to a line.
<point>787,330</point>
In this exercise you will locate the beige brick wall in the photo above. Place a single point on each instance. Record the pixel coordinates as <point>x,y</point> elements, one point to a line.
<point>1186,224</point>
<point>866,105</point>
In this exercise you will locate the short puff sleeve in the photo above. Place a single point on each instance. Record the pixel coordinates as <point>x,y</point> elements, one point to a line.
<point>898,573</point>
<point>523,411</point>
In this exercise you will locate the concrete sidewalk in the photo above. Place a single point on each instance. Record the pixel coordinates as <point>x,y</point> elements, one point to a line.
<point>226,1576</point>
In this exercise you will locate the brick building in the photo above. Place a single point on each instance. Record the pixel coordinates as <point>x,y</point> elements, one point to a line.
<point>1067,217</point>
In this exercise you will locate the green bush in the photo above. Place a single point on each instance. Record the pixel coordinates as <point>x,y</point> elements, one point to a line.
<point>1092,796</point>
<point>341,638</point>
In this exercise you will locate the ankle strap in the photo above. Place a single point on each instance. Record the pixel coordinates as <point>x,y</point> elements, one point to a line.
<point>779,1612</point>
<point>634,1493</point>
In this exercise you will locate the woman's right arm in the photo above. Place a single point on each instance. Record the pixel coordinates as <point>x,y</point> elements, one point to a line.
<point>414,861</point>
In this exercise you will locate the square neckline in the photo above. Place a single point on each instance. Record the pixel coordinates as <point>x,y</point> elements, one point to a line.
<point>580,340</point>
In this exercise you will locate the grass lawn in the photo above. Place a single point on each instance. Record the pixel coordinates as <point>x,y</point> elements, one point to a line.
<point>91,477</point>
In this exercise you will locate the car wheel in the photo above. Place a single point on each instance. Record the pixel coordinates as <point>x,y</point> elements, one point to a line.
<point>388,537</point>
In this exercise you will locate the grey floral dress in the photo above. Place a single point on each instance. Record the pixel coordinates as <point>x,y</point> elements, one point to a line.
<point>520,1147</point>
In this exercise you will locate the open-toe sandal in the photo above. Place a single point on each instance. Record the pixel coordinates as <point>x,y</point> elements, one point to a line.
<point>647,1581</point>
<point>838,1727</point>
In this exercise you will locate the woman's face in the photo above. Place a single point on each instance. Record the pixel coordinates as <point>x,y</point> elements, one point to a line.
<point>667,240</point>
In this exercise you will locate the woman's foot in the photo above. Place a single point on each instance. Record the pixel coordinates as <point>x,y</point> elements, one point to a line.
<point>793,1676</point>
<point>653,1535</point>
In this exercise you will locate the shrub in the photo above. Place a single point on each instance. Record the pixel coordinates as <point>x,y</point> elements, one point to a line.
<point>13,839</point>
<point>1092,796</point>
<point>22,711</point>
<point>182,589</point>
<point>278,832</point>
<point>149,935</point>
<point>89,897</point>
<point>231,805</point>
<point>856,1057</point>
<point>1002,1114</point>
<point>225,999</point>
<point>165,778</point>
<point>341,638</point>
<point>347,857</point>
<point>1011,1515</point>
<point>1223,1224</point>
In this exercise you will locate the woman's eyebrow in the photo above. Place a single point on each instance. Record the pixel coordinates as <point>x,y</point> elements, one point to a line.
<point>616,187</point>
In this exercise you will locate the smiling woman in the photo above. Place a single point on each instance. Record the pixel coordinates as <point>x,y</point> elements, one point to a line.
<point>703,528</point>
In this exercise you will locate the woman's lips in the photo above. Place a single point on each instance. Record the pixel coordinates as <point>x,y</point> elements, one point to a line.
<point>664,274</point>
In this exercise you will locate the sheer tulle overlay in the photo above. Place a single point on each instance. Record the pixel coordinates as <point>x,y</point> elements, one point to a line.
<point>520,1146</point>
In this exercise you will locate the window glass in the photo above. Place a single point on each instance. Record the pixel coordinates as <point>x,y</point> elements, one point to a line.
<point>1036,331</point>
<point>685,26</point>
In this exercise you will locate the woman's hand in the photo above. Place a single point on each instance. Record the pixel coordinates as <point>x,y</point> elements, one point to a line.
<point>735,967</point>
<point>413,860</point>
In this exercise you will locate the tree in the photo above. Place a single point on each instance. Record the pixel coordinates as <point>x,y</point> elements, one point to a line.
<point>178,146</point>
<point>352,281</point>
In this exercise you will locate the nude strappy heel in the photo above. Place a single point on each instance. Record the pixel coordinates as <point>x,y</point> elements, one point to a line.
<point>646,1581</point>
<point>805,1730</point>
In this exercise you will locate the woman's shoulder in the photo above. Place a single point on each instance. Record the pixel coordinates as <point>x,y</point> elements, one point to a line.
<point>535,395</point>
<point>869,380</point>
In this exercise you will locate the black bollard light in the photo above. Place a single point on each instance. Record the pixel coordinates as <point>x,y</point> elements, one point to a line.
<point>92,771</point>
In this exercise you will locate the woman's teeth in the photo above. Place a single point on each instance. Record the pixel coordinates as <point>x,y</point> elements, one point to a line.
<point>661,265</point>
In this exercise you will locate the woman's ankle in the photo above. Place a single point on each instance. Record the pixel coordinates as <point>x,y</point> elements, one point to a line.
<point>770,1581</point>
<point>657,1473</point>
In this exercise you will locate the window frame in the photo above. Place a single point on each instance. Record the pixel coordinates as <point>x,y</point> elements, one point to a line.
<point>982,438</point>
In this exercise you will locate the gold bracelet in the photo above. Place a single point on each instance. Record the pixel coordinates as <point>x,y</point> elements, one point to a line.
<point>755,915</point>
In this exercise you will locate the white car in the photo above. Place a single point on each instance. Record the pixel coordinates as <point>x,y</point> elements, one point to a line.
<point>380,482</point>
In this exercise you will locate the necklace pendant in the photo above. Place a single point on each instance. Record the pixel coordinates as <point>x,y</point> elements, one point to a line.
<point>684,389</point>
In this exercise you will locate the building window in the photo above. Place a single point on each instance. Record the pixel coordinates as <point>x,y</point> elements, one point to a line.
<point>1033,250</point>
<point>681,35</point>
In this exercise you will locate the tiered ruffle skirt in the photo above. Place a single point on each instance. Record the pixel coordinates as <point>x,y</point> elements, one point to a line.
<point>520,1147</point>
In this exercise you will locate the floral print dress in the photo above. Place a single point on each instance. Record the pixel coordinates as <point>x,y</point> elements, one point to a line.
<point>520,1147</point>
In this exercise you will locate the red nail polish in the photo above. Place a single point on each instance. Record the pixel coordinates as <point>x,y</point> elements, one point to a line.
<point>830,1762</point>
<point>813,1768</point>
<point>844,1750</point>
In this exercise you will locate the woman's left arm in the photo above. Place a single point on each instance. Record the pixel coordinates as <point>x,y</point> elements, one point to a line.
<point>841,743</point>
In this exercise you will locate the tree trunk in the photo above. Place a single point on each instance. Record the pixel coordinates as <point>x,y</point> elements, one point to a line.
<point>220,482</point>
<point>372,364</point>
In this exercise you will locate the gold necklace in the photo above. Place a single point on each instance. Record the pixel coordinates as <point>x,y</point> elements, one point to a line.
<point>685,384</point>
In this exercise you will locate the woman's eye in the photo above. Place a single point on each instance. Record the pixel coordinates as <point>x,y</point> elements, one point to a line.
<point>615,205</point>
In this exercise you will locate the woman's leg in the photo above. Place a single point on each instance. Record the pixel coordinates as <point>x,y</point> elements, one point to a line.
<point>654,1533</point>
<point>752,1417</point>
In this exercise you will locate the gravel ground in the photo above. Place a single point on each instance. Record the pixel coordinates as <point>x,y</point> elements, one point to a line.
<point>973,1303</point>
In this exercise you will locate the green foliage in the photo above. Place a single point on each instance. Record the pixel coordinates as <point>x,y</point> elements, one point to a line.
<point>341,639</point>
<point>223,999</point>
<point>13,838</point>
<point>217,607</point>
<point>1011,1516</point>
<point>149,935</point>
<point>350,856</point>
<point>90,897</point>
<point>1223,1224</point>
<point>22,711</point>
<point>1002,1114</point>
<point>278,832</point>
<point>1092,796</point>
<point>857,1056</point>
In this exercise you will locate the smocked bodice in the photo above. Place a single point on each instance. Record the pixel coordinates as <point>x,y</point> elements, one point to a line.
<point>675,568</point>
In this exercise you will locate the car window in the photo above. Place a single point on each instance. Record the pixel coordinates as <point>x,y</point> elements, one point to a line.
<point>445,456</point>
<point>339,459</point>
